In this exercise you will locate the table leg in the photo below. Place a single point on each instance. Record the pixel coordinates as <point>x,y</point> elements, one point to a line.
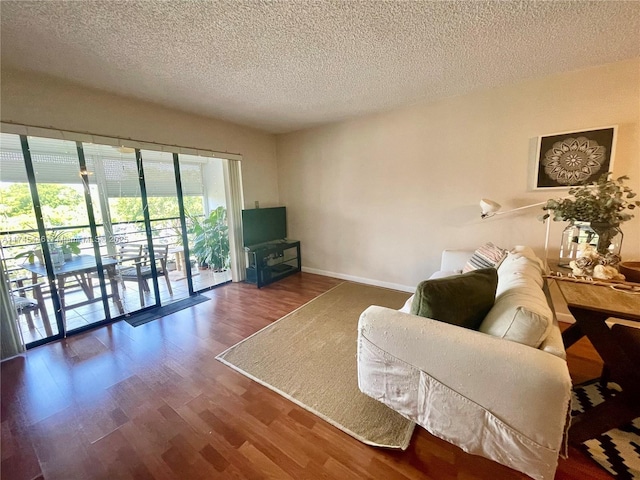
<point>111,273</point>
<point>61,280</point>
<point>84,280</point>
<point>571,335</point>
<point>625,406</point>
<point>594,326</point>
<point>180,261</point>
<point>43,311</point>
<point>141,283</point>
<point>603,417</point>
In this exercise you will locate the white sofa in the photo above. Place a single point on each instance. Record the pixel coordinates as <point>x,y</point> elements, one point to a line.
<point>480,390</point>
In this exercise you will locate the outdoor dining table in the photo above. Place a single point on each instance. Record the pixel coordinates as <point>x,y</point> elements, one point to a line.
<point>80,267</point>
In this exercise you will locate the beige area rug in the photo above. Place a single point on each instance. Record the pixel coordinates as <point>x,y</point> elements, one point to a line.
<point>309,357</point>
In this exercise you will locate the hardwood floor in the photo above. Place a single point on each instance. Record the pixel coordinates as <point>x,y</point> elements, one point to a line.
<point>152,403</point>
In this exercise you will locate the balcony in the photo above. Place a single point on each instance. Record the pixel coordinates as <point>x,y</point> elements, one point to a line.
<point>33,327</point>
<point>86,201</point>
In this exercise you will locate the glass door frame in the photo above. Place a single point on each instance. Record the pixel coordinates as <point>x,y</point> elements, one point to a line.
<point>44,245</point>
<point>95,240</point>
<point>46,252</point>
<point>183,224</point>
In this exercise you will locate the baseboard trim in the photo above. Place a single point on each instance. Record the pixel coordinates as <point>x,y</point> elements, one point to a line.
<point>366,281</point>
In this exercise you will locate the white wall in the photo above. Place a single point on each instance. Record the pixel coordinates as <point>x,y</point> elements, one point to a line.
<point>33,99</point>
<point>379,197</point>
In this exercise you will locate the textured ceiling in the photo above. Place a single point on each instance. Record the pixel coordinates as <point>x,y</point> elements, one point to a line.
<point>283,66</point>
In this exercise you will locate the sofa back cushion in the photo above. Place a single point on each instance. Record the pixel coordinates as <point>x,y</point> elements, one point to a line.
<point>461,300</point>
<point>521,312</point>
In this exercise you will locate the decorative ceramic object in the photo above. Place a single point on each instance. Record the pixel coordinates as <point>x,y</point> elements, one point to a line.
<point>590,263</point>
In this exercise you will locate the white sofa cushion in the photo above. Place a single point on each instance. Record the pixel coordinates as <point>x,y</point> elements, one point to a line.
<point>406,308</point>
<point>454,260</point>
<point>521,312</point>
<point>444,274</point>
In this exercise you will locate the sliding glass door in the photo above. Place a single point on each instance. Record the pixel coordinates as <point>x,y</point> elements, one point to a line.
<point>95,232</point>
<point>119,196</point>
<point>69,230</point>
<point>166,228</point>
<point>206,216</point>
<point>20,242</point>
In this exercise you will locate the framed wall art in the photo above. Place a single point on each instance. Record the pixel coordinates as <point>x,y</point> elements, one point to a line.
<point>569,159</point>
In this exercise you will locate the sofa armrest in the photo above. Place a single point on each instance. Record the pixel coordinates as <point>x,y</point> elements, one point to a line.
<point>454,260</point>
<point>522,386</point>
<point>553,344</point>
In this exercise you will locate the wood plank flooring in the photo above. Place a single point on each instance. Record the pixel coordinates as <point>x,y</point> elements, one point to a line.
<point>152,403</point>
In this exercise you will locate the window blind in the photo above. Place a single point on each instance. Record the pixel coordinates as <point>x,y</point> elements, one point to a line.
<point>56,161</point>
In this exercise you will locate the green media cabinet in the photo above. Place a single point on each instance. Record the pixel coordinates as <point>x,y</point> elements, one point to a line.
<point>270,262</point>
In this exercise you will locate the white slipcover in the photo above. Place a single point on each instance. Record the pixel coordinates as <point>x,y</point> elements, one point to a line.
<point>490,396</point>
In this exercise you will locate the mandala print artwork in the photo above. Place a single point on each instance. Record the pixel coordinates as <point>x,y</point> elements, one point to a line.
<point>574,160</point>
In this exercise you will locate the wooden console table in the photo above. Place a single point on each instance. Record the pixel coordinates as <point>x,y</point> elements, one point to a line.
<point>591,305</point>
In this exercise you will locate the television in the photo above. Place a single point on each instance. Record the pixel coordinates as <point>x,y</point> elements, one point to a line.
<point>262,225</point>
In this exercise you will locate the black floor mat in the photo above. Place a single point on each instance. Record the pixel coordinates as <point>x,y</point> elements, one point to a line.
<point>147,316</point>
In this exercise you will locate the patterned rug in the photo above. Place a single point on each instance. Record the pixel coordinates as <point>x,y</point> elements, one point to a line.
<point>618,450</point>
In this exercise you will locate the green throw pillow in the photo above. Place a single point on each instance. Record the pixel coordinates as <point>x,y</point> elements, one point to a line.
<point>462,300</point>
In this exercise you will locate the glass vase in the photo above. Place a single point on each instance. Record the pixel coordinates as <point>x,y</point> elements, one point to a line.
<point>57,256</point>
<point>573,235</point>
<point>609,238</point>
<point>605,238</point>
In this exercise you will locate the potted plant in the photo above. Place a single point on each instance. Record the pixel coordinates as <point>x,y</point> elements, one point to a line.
<point>604,205</point>
<point>59,245</point>
<point>211,240</point>
<point>67,247</point>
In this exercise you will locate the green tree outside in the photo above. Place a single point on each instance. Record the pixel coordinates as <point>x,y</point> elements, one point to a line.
<point>129,209</point>
<point>61,205</point>
<point>64,205</point>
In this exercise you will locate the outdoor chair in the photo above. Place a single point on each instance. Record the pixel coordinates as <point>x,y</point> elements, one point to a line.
<point>128,251</point>
<point>139,269</point>
<point>25,305</point>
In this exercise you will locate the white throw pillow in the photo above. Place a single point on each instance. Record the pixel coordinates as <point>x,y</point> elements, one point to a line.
<point>521,312</point>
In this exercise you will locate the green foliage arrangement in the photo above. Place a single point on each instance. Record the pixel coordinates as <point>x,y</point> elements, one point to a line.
<point>129,209</point>
<point>30,254</point>
<point>58,237</point>
<point>606,201</point>
<point>64,241</point>
<point>211,240</point>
